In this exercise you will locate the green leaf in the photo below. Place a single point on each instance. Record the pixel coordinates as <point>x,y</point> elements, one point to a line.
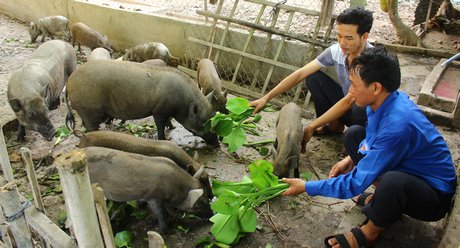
<point>263,150</point>
<point>248,219</point>
<point>183,229</point>
<point>140,214</point>
<point>261,173</point>
<point>306,175</point>
<point>133,204</point>
<point>219,188</point>
<point>123,239</point>
<point>224,127</point>
<point>226,204</point>
<point>225,228</point>
<point>235,139</point>
<point>256,118</point>
<point>237,105</point>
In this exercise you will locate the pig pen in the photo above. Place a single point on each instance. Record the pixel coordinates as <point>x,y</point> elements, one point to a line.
<point>298,221</point>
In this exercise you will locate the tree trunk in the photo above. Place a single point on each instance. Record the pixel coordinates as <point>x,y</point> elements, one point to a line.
<point>406,35</point>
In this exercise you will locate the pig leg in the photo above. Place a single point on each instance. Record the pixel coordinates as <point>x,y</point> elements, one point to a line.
<point>54,104</point>
<point>21,133</point>
<point>157,209</point>
<point>294,164</point>
<point>170,125</point>
<point>160,122</point>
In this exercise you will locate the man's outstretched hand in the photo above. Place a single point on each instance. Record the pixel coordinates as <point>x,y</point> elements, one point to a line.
<point>296,186</point>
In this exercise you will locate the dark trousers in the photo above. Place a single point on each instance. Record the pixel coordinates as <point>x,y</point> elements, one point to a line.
<point>398,192</point>
<point>325,92</point>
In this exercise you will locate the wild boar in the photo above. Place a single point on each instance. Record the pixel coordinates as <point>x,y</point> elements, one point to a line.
<point>36,87</point>
<point>209,81</point>
<point>52,26</point>
<point>99,54</point>
<point>148,147</point>
<point>86,36</point>
<point>151,50</point>
<point>154,62</point>
<point>156,180</point>
<point>289,134</point>
<point>124,90</point>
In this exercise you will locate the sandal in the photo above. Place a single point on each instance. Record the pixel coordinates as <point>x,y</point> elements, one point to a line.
<point>361,201</point>
<point>343,242</point>
<point>326,130</point>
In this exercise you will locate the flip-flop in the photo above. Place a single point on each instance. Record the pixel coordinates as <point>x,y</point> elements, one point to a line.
<point>343,242</point>
<point>361,201</point>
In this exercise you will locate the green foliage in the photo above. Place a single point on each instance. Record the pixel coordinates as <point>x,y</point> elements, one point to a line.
<point>138,130</point>
<point>62,133</point>
<point>62,217</point>
<point>123,239</point>
<point>118,211</point>
<point>233,127</point>
<point>234,207</point>
<point>11,39</point>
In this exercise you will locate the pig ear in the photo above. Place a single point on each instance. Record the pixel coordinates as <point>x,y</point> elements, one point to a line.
<point>199,172</point>
<point>16,104</point>
<point>192,196</point>
<point>210,96</point>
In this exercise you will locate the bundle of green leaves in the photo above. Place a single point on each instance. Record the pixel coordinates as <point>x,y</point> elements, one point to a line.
<point>232,127</point>
<point>235,215</point>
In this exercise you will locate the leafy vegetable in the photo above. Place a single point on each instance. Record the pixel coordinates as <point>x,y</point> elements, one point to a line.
<point>123,239</point>
<point>232,127</point>
<point>234,207</point>
<point>62,133</point>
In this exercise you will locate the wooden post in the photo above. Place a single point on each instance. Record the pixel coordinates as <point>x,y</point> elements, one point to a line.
<point>27,158</point>
<point>155,240</point>
<point>78,197</point>
<point>4,232</point>
<point>102,213</point>
<point>9,201</point>
<point>5,161</point>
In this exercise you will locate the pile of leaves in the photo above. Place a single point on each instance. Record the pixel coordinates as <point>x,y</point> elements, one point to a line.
<point>232,127</point>
<point>235,215</point>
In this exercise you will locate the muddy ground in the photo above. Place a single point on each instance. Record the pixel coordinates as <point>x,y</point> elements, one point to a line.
<point>301,221</point>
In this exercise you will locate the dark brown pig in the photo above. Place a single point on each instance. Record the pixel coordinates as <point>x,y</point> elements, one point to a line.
<point>100,90</point>
<point>99,54</point>
<point>156,180</point>
<point>52,26</point>
<point>209,81</point>
<point>151,50</point>
<point>148,147</point>
<point>86,36</point>
<point>36,87</point>
<point>289,134</point>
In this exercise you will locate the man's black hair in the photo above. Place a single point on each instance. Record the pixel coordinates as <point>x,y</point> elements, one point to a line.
<point>357,16</point>
<point>377,65</point>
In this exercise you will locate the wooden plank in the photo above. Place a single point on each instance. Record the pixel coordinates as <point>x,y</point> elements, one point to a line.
<point>288,7</point>
<point>5,160</point>
<point>4,236</point>
<point>27,158</point>
<point>247,55</point>
<point>277,53</point>
<point>246,44</point>
<point>224,35</point>
<point>263,28</point>
<point>214,29</point>
<point>76,187</point>
<point>11,205</point>
<point>103,215</point>
<point>275,15</point>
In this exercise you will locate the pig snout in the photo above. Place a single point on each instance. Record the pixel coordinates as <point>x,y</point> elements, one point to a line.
<point>211,139</point>
<point>48,131</point>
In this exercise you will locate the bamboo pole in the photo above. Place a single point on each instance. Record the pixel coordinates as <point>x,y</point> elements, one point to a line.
<point>9,201</point>
<point>78,197</point>
<point>103,215</point>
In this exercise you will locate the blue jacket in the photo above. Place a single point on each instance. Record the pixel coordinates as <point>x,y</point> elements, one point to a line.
<point>398,138</point>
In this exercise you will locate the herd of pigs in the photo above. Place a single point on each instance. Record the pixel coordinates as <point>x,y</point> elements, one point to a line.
<point>143,83</point>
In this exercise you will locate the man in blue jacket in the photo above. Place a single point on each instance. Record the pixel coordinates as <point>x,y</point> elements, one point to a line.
<point>399,151</point>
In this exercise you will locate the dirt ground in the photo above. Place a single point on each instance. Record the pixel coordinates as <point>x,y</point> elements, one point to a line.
<point>301,221</point>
